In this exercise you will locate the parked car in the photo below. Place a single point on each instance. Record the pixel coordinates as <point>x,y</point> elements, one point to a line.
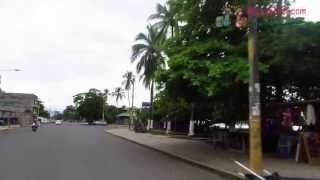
<point>58,122</point>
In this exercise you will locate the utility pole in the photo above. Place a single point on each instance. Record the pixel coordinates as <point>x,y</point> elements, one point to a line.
<point>103,111</point>
<point>132,103</point>
<point>38,113</point>
<point>255,160</point>
<point>254,93</point>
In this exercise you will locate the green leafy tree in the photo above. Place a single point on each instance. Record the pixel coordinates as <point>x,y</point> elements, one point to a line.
<point>89,105</point>
<point>208,65</point>
<point>41,110</point>
<point>112,112</point>
<point>70,113</point>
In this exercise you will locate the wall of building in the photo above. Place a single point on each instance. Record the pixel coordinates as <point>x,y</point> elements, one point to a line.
<point>23,106</point>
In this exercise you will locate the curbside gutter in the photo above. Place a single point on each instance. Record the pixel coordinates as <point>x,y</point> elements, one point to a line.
<point>202,165</point>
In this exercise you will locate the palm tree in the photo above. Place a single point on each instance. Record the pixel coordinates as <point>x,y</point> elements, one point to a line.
<point>166,19</point>
<point>128,83</point>
<point>148,54</point>
<point>118,94</point>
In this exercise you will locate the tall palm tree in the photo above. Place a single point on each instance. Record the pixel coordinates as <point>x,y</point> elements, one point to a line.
<point>147,52</point>
<point>118,94</point>
<point>105,94</point>
<point>128,83</point>
<point>166,19</point>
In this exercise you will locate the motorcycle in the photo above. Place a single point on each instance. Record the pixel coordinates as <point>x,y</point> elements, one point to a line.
<point>34,128</point>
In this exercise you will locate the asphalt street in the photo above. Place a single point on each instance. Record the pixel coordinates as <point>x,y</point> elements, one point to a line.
<point>79,152</point>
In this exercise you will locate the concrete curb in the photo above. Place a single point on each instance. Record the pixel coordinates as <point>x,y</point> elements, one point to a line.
<point>222,172</point>
<point>9,129</point>
<point>5,129</point>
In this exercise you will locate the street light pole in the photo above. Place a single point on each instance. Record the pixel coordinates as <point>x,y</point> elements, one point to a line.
<point>103,111</point>
<point>254,93</point>
<point>104,99</point>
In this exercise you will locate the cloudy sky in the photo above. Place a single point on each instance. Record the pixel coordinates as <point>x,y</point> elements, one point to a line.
<point>64,47</point>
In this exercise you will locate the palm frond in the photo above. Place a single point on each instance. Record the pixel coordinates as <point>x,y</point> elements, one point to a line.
<point>128,76</point>
<point>143,37</point>
<point>158,14</point>
<point>154,16</point>
<point>138,50</point>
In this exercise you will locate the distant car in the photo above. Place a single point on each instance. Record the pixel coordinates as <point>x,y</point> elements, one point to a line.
<point>58,122</point>
<point>99,123</point>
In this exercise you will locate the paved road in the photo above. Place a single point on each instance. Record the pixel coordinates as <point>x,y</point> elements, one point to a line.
<point>77,152</point>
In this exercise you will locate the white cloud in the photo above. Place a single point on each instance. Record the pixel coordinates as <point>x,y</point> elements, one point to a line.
<point>68,46</point>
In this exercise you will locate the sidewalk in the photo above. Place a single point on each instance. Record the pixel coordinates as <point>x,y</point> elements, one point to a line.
<point>5,128</point>
<point>203,154</point>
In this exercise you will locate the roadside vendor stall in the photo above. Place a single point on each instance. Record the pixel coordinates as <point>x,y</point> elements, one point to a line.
<point>289,130</point>
<point>292,130</point>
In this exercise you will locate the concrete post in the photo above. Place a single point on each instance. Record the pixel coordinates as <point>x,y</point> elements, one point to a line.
<point>164,124</point>
<point>151,124</point>
<point>191,128</point>
<point>168,127</point>
<point>148,125</point>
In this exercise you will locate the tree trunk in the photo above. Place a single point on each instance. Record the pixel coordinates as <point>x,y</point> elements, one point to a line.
<point>132,98</point>
<point>172,29</point>
<point>151,100</point>
<point>132,104</point>
<point>128,98</point>
<point>191,123</point>
<point>130,120</point>
<point>192,112</point>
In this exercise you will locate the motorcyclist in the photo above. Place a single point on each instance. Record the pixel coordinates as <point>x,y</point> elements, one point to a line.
<point>34,125</point>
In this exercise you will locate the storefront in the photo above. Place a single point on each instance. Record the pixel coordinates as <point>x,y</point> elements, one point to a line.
<point>7,117</point>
